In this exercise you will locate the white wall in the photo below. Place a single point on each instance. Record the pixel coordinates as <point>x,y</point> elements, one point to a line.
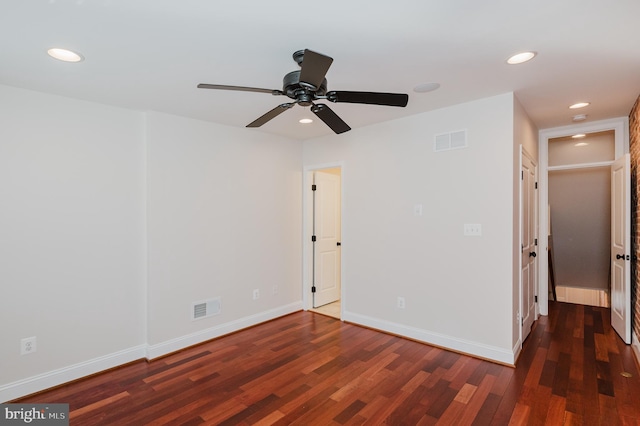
<point>458,289</point>
<point>72,244</point>
<point>580,201</point>
<point>224,218</point>
<point>114,221</point>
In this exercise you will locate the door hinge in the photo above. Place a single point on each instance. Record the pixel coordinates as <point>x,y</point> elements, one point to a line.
<point>313,289</point>
<point>522,175</point>
<point>313,187</point>
<point>536,299</point>
<point>535,241</point>
<point>313,238</point>
<point>536,185</point>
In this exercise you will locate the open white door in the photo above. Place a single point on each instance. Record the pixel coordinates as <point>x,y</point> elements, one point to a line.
<point>620,247</point>
<point>326,269</point>
<point>528,240</point>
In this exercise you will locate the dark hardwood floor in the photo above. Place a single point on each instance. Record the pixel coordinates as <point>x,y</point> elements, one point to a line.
<point>310,369</point>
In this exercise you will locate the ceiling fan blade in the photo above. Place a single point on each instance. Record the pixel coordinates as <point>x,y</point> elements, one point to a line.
<point>239,88</point>
<point>330,118</point>
<point>271,114</point>
<point>373,98</point>
<point>314,68</point>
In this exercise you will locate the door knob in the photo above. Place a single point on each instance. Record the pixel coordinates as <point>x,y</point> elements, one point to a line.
<point>620,256</point>
<point>338,243</point>
<point>532,254</point>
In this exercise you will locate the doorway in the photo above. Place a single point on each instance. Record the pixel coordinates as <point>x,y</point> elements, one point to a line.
<point>619,126</point>
<point>579,174</point>
<point>323,290</point>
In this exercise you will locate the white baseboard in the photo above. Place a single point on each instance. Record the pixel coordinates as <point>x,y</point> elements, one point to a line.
<point>173,345</point>
<point>480,350</point>
<point>516,351</point>
<point>21,388</point>
<point>57,377</point>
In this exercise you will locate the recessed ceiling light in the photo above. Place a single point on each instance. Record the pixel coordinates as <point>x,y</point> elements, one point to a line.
<point>578,136</point>
<point>581,144</point>
<point>65,55</point>
<point>579,117</point>
<point>519,58</point>
<point>426,87</point>
<point>305,120</point>
<point>580,105</point>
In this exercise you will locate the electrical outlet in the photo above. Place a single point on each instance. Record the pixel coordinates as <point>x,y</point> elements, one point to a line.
<point>274,290</point>
<point>28,345</point>
<point>256,294</point>
<point>401,303</point>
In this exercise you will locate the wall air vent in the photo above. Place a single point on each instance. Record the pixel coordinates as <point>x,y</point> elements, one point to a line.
<point>449,141</point>
<point>205,308</point>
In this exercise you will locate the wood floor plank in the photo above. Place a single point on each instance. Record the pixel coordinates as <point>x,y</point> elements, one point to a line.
<point>98,405</point>
<point>311,369</point>
<point>556,411</point>
<point>540,405</point>
<point>520,415</point>
<point>486,415</point>
<point>474,405</point>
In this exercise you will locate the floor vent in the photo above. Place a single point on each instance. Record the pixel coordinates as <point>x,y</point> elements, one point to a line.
<point>205,308</point>
<point>449,141</point>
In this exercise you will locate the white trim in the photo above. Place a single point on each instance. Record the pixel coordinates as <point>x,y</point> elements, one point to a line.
<point>145,195</point>
<point>620,126</point>
<point>520,244</point>
<point>517,350</point>
<point>581,166</point>
<point>47,380</point>
<point>469,347</point>
<point>173,345</point>
<point>67,374</point>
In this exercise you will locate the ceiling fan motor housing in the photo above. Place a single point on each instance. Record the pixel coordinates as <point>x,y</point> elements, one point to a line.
<point>292,88</point>
<point>309,84</point>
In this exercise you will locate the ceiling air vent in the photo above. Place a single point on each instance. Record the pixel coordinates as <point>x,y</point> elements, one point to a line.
<point>449,141</point>
<point>205,308</point>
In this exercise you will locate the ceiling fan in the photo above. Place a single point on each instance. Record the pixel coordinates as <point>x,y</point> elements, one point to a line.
<point>309,84</point>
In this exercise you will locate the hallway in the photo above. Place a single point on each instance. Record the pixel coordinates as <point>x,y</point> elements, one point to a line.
<point>574,370</point>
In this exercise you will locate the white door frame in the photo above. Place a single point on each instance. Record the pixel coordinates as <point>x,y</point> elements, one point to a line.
<point>307,231</point>
<point>620,126</point>
<point>536,226</point>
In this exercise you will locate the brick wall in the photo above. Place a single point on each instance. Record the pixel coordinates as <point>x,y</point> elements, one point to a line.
<point>634,149</point>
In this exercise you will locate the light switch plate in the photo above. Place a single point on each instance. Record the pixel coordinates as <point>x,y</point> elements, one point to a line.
<point>472,229</point>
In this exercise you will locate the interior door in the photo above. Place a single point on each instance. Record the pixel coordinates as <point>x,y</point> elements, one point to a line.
<point>326,220</point>
<point>620,247</point>
<point>528,238</point>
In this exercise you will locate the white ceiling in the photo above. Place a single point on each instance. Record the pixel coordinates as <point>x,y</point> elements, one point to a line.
<point>151,54</point>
